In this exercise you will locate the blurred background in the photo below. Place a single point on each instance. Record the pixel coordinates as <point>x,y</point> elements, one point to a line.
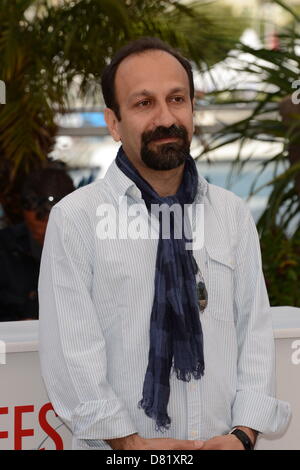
<point>245,55</point>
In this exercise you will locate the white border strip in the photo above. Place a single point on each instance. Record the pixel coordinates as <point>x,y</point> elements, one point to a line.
<point>287,333</point>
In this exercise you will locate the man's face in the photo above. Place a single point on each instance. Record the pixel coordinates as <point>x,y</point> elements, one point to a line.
<point>36,226</point>
<point>156,125</point>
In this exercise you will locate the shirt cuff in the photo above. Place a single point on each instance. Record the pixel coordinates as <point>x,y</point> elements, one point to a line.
<point>101,420</point>
<point>260,412</point>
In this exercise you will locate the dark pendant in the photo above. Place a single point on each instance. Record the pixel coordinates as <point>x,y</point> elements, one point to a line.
<point>201,292</point>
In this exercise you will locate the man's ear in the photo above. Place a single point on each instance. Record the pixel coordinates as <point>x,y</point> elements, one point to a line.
<point>193,104</point>
<point>112,123</point>
<point>193,110</point>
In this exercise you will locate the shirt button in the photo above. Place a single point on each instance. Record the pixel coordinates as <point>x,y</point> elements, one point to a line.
<point>135,192</point>
<point>194,433</point>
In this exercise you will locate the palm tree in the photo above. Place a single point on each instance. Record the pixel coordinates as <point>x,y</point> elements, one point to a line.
<point>45,45</point>
<point>275,118</point>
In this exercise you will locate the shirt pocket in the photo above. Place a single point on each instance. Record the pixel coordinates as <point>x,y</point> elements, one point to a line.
<point>219,283</point>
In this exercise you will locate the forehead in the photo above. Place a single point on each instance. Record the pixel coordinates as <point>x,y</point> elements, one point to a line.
<point>153,70</point>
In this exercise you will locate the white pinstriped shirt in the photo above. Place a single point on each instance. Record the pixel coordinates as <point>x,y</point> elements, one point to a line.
<point>95,304</point>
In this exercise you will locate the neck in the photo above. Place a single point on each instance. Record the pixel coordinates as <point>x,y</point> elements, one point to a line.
<point>165,183</point>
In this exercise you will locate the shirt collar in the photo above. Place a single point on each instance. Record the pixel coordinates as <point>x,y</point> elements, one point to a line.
<point>122,185</point>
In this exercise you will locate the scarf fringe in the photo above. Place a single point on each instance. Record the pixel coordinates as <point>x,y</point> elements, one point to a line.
<point>162,420</point>
<point>186,375</point>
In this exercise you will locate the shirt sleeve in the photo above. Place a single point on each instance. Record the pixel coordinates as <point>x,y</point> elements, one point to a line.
<point>72,346</point>
<point>255,405</point>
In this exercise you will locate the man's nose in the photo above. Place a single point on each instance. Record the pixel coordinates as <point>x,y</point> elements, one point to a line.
<point>164,116</point>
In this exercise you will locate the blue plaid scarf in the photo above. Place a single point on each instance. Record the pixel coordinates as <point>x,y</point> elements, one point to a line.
<point>175,327</point>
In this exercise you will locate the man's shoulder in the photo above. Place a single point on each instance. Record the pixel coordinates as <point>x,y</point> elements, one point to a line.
<point>222,197</point>
<point>230,209</point>
<point>83,200</point>
<point>227,217</point>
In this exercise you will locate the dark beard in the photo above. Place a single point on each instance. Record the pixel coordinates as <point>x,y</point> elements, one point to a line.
<point>167,156</point>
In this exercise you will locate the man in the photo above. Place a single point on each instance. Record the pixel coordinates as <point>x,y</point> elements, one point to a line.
<point>141,334</point>
<point>21,245</point>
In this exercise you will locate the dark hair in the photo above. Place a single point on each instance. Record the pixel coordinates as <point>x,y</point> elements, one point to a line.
<point>45,187</point>
<point>47,181</point>
<point>137,47</point>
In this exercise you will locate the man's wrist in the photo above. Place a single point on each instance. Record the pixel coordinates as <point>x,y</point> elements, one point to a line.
<point>251,433</point>
<point>133,441</point>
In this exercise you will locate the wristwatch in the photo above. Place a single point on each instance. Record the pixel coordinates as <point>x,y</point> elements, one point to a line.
<point>243,437</point>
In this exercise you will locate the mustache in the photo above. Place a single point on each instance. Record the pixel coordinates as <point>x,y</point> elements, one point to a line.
<point>162,132</point>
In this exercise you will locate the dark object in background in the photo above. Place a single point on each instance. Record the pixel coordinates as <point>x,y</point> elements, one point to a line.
<point>21,245</point>
<point>44,188</point>
<point>18,275</point>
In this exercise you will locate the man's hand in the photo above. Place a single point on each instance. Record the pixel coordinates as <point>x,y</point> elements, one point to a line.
<point>136,442</point>
<point>229,441</point>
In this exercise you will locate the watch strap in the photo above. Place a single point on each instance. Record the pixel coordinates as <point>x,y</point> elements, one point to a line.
<point>243,437</point>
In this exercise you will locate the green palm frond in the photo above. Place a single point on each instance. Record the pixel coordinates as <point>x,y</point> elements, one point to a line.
<point>45,46</point>
<point>278,71</point>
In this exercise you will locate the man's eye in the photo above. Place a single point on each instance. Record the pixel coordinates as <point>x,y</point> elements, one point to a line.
<point>177,99</point>
<point>144,103</point>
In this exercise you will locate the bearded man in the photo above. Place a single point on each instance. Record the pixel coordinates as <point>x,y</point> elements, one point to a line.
<point>147,343</point>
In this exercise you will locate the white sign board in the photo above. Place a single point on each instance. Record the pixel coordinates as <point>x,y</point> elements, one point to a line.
<point>28,421</point>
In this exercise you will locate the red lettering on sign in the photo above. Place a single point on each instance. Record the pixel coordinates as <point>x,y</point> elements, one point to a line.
<point>4,411</point>
<point>49,429</point>
<point>19,432</point>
